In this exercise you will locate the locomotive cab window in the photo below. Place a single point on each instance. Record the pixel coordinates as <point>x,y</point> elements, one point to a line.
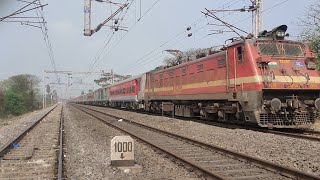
<point>240,54</point>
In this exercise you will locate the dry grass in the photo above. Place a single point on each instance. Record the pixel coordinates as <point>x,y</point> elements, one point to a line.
<point>317,124</point>
<point>10,119</point>
<point>4,122</point>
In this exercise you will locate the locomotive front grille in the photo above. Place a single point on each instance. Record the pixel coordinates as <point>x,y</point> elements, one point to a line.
<point>306,118</point>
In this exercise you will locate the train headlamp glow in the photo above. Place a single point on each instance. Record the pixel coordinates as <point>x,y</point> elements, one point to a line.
<point>317,103</point>
<point>280,34</point>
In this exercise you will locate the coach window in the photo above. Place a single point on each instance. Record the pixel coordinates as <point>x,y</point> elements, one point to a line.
<point>133,89</point>
<point>240,54</point>
<point>200,67</point>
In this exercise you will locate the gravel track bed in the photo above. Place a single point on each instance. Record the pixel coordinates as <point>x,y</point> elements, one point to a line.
<point>35,155</point>
<point>296,153</point>
<point>15,127</point>
<point>87,153</point>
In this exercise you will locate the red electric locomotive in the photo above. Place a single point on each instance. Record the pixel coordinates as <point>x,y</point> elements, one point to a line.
<point>269,81</point>
<point>266,80</point>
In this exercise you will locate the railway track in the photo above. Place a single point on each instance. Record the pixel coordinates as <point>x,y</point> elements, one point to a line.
<point>311,135</point>
<point>37,153</point>
<point>212,161</point>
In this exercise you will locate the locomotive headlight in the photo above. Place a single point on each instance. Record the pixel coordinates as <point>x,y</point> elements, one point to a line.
<point>317,103</point>
<point>311,63</point>
<point>280,34</point>
<point>275,104</point>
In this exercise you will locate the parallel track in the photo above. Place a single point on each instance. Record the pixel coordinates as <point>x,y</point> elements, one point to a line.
<point>37,153</point>
<point>214,162</point>
<point>294,133</point>
<point>310,135</point>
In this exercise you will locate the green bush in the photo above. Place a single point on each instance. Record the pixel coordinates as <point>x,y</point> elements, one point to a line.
<point>13,104</point>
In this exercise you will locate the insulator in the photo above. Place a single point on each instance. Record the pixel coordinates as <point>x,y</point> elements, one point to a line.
<point>190,34</point>
<point>116,28</point>
<point>188,28</point>
<point>116,21</point>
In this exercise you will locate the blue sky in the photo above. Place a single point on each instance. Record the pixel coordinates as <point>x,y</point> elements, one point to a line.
<point>23,50</point>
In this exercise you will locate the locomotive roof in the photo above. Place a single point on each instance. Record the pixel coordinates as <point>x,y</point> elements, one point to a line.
<point>124,81</point>
<point>191,62</point>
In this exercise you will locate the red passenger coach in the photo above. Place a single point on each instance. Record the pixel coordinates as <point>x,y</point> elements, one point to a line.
<point>124,94</point>
<point>90,97</point>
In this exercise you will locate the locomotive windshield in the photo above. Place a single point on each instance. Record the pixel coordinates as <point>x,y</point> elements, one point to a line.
<point>280,49</point>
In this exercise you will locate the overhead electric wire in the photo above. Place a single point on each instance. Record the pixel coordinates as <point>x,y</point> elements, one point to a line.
<point>154,4</point>
<point>97,57</point>
<point>28,2</point>
<point>261,12</point>
<point>129,30</point>
<point>136,22</point>
<point>17,11</point>
<point>152,59</point>
<point>138,62</point>
<point>238,22</point>
<point>44,30</point>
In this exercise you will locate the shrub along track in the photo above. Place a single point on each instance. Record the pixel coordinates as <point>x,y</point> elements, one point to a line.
<point>37,152</point>
<point>212,161</point>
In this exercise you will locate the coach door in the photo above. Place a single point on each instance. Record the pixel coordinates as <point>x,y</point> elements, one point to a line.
<point>234,59</point>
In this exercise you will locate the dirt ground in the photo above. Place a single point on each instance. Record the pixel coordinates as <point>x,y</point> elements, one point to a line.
<point>317,124</point>
<point>9,120</point>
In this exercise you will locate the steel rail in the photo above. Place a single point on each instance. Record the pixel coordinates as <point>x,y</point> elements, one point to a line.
<point>5,147</point>
<point>61,137</point>
<point>304,134</point>
<point>206,172</point>
<point>269,165</point>
<point>295,135</point>
<point>312,132</point>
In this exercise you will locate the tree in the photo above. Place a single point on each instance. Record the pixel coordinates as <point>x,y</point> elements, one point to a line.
<point>1,103</point>
<point>187,56</point>
<point>311,29</point>
<point>25,87</point>
<point>107,78</point>
<point>13,103</point>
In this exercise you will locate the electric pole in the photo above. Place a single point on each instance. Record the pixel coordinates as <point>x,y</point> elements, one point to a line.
<point>87,17</point>
<point>256,17</point>
<point>255,9</point>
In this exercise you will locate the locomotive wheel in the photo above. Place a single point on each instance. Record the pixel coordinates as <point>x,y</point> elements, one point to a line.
<point>222,115</point>
<point>204,114</point>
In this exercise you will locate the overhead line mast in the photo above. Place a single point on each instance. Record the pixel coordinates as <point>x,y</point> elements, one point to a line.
<point>87,17</point>
<point>255,8</point>
<point>256,17</point>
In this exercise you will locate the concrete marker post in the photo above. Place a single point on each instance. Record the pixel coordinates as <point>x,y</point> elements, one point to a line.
<point>122,151</point>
